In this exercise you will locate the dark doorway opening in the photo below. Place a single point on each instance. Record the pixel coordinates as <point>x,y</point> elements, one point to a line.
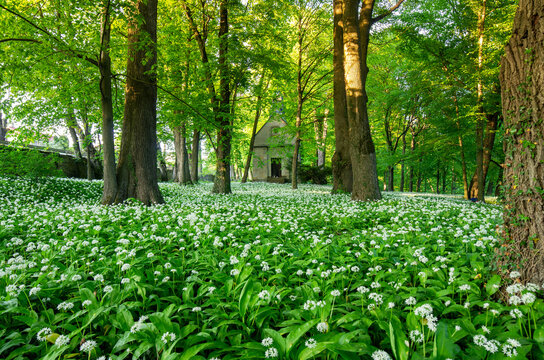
<point>276,167</point>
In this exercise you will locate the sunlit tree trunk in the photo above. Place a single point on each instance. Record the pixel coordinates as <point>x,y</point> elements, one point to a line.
<point>489,140</point>
<point>195,153</point>
<point>137,168</point>
<point>221,184</point>
<point>341,162</point>
<point>106,103</point>
<point>480,118</point>
<point>522,86</point>
<point>183,175</point>
<point>362,152</point>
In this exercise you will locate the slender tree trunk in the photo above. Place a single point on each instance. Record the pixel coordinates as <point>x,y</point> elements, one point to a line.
<point>221,184</point>
<point>298,121</point>
<point>3,128</point>
<point>341,161</point>
<point>106,102</point>
<point>453,180</point>
<point>522,84</point>
<point>444,180</point>
<point>195,153</point>
<point>71,125</point>
<point>481,114</point>
<point>391,178</point>
<point>322,152</point>
<point>489,140</point>
<point>438,178</point>
<point>401,187</point>
<point>254,129</point>
<point>183,175</point>
<point>137,168</point>
<point>362,152</point>
<point>411,183</point>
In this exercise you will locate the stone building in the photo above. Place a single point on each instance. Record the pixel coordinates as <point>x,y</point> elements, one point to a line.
<point>273,151</point>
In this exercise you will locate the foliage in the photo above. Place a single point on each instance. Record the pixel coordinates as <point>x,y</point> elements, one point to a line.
<point>315,174</point>
<point>207,276</point>
<point>28,162</point>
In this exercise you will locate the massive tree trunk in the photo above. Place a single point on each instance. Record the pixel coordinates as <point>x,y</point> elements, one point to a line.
<point>522,85</point>
<point>195,151</point>
<point>137,168</point>
<point>362,152</point>
<point>183,175</point>
<point>342,174</point>
<point>108,149</point>
<point>254,129</point>
<point>221,184</point>
<point>491,129</point>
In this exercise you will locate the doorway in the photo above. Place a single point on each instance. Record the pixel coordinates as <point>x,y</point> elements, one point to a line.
<point>276,167</point>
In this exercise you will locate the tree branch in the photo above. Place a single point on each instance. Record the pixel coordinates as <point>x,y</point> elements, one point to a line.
<point>386,14</point>
<point>21,39</point>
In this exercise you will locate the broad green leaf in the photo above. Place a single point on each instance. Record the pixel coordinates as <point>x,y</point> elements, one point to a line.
<point>297,333</point>
<point>443,347</point>
<point>245,296</point>
<point>398,340</point>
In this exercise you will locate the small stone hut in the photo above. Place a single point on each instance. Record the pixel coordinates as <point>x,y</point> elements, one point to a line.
<point>273,151</point>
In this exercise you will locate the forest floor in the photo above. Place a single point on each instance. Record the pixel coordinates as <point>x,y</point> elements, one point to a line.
<point>266,272</point>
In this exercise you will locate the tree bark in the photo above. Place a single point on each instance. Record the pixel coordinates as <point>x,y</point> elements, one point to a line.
<point>522,86</point>
<point>183,174</point>
<point>362,152</point>
<point>71,125</point>
<point>341,161</point>
<point>254,129</point>
<point>195,153</point>
<point>489,140</point>
<point>401,186</point>
<point>221,184</point>
<point>88,144</point>
<point>106,103</point>
<point>3,128</point>
<point>137,168</point>
<point>480,115</point>
<point>300,100</point>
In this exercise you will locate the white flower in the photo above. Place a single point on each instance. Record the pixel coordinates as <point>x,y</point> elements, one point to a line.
<point>42,334</point>
<point>65,306</point>
<point>416,336</point>
<point>322,327</point>
<point>62,340</point>
<point>515,275</point>
<point>86,303</point>
<point>234,272</point>
<point>271,353</point>
<point>197,309</point>
<point>528,298</point>
<point>168,337</point>
<point>516,314</point>
<point>125,281</point>
<point>335,293</point>
<point>380,355</point>
<point>311,343</point>
<point>34,290</point>
<point>267,341</point>
<point>480,340</point>
<point>108,289</point>
<point>264,295</point>
<point>99,277</point>
<point>423,310</point>
<point>125,267</point>
<point>464,287</point>
<point>76,277</point>
<point>87,346</point>
<point>410,301</point>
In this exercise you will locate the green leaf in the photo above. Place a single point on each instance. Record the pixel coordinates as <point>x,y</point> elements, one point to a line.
<point>399,342</point>
<point>297,333</point>
<point>278,339</point>
<point>310,353</point>
<point>245,296</point>
<point>442,346</point>
<point>493,285</point>
<point>192,351</point>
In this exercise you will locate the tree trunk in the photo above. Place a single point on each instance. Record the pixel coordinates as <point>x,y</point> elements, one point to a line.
<point>322,150</point>
<point>341,161</point>
<point>411,184</point>
<point>480,115</point>
<point>452,180</point>
<point>491,129</point>
<point>71,124</point>
<point>294,163</point>
<point>362,152</point>
<point>137,168</point>
<point>401,187</point>
<point>195,153</point>
<point>522,85</point>
<point>391,178</point>
<point>183,175</point>
<point>3,128</point>
<point>221,184</point>
<point>254,129</point>
<point>108,148</point>
<point>444,180</point>
<point>438,178</point>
